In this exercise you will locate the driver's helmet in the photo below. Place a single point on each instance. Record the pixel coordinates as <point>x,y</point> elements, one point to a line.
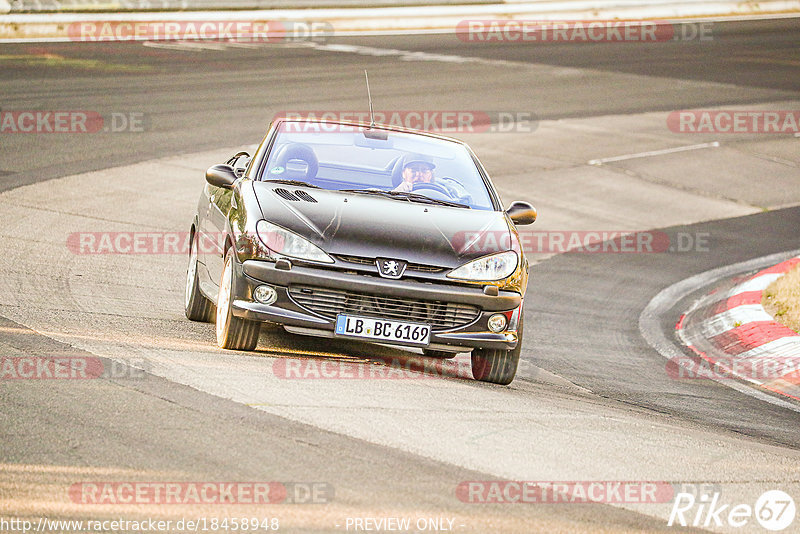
<point>418,161</point>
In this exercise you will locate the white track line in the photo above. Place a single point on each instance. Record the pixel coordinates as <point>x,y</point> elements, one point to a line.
<point>623,157</point>
<point>408,55</point>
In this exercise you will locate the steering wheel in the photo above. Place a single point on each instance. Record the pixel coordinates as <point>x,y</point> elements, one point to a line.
<point>433,186</point>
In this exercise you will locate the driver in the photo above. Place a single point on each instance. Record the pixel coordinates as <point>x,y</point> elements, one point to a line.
<point>416,169</point>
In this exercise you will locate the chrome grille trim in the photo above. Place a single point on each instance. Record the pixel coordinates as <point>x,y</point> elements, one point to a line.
<point>331,302</point>
<point>417,267</point>
<point>420,268</point>
<point>356,259</point>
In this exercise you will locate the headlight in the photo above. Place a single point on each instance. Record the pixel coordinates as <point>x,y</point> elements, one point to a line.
<point>488,268</point>
<point>286,243</point>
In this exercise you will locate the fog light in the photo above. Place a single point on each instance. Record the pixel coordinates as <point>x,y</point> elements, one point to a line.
<point>265,294</point>
<point>497,322</point>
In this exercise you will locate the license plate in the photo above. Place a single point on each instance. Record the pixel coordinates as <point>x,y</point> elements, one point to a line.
<point>383,330</point>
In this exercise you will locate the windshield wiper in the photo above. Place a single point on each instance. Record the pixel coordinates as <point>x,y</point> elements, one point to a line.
<point>292,182</point>
<point>372,191</point>
<point>427,200</point>
<point>402,195</point>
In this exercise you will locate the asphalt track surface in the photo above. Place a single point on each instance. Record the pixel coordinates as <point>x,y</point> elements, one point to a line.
<point>583,309</point>
<point>207,100</point>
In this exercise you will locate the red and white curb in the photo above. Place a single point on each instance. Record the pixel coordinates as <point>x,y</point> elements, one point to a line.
<point>733,336</point>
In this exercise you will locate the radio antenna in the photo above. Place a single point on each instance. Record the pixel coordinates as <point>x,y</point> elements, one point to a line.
<point>369,96</point>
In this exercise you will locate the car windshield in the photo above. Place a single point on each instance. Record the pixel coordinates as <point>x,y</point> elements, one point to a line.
<point>407,166</point>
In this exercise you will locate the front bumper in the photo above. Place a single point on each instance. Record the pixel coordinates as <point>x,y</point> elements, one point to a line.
<point>299,319</point>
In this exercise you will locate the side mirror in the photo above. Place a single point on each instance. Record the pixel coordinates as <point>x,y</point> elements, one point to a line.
<point>521,212</point>
<point>221,175</point>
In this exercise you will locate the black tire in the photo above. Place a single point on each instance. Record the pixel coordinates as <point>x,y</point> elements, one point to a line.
<point>196,306</point>
<point>496,365</point>
<point>443,354</point>
<point>233,332</point>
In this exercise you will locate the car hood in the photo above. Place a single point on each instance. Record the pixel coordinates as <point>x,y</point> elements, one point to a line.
<point>377,227</point>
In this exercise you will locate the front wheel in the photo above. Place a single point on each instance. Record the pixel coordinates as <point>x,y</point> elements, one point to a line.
<point>233,332</point>
<point>496,365</point>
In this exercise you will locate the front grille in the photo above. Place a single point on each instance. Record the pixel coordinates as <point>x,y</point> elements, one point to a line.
<point>356,259</point>
<point>425,268</point>
<point>418,267</point>
<point>331,302</point>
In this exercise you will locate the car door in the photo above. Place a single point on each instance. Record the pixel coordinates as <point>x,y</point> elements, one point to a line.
<point>218,209</point>
<point>207,248</point>
<point>214,225</point>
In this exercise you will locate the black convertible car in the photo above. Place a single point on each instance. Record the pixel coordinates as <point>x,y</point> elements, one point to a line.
<point>363,231</point>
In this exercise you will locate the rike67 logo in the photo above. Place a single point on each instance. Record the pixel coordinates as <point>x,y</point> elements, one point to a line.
<point>774,510</point>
